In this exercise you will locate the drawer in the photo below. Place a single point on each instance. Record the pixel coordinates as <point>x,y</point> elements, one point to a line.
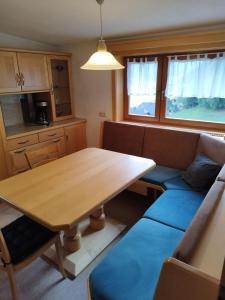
<point>22,142</point>
<point>50,134</point>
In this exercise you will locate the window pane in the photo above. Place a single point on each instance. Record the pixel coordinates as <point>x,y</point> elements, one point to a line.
<point>141,86</point>
<point>142,105</point>
<point>191,108</point>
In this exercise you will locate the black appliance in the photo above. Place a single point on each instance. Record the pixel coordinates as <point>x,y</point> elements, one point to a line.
<point>42,112</point>
<point>34,111</point>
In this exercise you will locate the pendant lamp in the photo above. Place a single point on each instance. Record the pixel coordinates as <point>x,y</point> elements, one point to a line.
<point>102,59</point>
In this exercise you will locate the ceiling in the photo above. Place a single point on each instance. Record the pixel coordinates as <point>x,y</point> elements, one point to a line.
<point>67,21</point>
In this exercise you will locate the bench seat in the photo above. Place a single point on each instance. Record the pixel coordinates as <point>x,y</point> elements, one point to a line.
<point>177,183</point>
<point>175,208</point>
<point>160,175</point>
<point>132,268</point>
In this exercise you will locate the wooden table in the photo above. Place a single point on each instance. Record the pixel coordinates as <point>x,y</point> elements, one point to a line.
<point>61,193</point>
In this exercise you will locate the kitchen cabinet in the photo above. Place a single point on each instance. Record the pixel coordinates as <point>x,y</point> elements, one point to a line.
<point>29,157</point>
<point>31,150</point>
<point>33,72</point>
<point>9,73</point>
<point>23,72</point>
<point>61,93</point>
<point>75,137</point>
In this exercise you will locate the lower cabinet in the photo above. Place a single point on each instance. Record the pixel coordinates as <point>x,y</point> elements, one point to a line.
<point>23,159</point>
<point>47,146</point>
<point>75,137</point>
<point>18,162</point>
<point>3,164</point>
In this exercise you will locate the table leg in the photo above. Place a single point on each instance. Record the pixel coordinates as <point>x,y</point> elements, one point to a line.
<point>97,219</point>
<point>72,239</point>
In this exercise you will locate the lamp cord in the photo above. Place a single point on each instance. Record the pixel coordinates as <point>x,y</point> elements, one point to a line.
<point>101,20</point>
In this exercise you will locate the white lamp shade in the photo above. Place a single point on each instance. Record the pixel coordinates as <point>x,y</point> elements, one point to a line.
<point>102,60</point>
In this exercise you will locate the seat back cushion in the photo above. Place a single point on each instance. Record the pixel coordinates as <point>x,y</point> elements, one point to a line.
<point>185,250</point>
<point>124,138</point>
<point>201,173</point>
<point>213,147</point>
<point>170,148</point>
<point>24,236</point>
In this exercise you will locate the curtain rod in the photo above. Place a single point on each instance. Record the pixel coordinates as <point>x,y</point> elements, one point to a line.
<point>217,54</point>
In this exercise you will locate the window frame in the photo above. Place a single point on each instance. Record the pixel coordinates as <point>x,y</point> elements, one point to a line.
<point>142,118</point>
<point>160,115</point>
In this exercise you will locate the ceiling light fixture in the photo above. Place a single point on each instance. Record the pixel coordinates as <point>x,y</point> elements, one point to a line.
<point>102,59</point>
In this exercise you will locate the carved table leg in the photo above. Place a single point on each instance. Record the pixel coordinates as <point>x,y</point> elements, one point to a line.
<point>97,219</point>
<point>72,239</point>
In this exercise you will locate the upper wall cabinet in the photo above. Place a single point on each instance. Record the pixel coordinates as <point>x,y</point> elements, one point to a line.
<point>60,80</point>
<point>23,72</point>
<point>33,71</point>
<point>9,73</point>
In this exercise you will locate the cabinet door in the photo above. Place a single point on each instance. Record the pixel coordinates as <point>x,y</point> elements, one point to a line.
<point>61,146</point>
<point>9,73</point>
<point>60,79</point>
<point>19,162</point>
<point>3,166</point>
<point>75,137</point>
<point>34,71</point>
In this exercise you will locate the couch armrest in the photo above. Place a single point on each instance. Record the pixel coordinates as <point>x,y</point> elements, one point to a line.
<point>181,281</point>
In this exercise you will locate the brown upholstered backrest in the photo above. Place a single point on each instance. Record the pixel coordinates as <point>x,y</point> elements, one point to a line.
<point>221,175</point>
<point>170,148</point>
<point>124,138</point>
<point>213,147</point>
<point>191,239</point>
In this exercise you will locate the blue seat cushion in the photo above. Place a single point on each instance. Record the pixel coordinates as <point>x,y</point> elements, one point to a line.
<point>175,208</point>
<point>177,183</point>
<point>23,237</point>
<point>161,174</point>
<point>132,268</point>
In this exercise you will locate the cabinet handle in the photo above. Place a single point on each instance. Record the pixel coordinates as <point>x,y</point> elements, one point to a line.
<point>22,79</point>
<point>18,80</point>
<point>20,151</point>
<point>56,141</point>
<point>23,142</point>
<point>52,134</point>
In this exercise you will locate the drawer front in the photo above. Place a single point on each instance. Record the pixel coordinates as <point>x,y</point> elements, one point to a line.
<point>24,141</point>
<point>50,134</point>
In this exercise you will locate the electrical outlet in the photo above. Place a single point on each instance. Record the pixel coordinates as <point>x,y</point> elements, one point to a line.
<point>102,114</point>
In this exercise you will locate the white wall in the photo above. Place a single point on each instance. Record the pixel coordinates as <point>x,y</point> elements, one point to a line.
<point>11,41</point>
<point>92,91</point>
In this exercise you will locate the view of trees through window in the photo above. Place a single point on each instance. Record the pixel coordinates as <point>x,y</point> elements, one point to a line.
<point>210,110</point>
<point>142,105</point>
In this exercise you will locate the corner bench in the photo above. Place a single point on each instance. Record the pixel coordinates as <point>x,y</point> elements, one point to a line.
<point>140,266</point>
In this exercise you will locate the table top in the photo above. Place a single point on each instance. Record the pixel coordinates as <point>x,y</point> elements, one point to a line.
<point>59,194</point>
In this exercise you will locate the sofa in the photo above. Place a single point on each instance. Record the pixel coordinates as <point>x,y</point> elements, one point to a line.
<point>165,239</point>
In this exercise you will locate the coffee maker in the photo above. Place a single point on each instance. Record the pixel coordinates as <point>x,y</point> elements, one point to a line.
<point>41,108</point>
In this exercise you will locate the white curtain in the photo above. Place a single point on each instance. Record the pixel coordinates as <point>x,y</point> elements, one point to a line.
<point>200,77</point>
<point>142,78</point>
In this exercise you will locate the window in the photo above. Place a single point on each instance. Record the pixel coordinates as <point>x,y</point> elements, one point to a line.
<point>141,86</point>
<point>179,89</point>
